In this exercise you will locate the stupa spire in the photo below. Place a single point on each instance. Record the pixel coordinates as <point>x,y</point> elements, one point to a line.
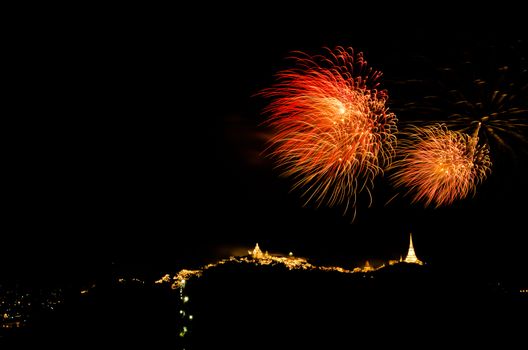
<point>411,255</point>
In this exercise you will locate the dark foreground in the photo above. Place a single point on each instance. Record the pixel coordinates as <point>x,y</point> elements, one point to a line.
<point>248,306</point>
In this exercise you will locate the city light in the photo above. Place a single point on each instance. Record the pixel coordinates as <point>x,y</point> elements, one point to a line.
<point>17,308</point>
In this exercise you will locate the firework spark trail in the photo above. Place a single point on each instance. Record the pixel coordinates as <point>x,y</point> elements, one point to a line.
<point>333,131</point>
<point>440,166</point>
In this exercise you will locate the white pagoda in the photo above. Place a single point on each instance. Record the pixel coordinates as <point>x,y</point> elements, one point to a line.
<point>411,255</point>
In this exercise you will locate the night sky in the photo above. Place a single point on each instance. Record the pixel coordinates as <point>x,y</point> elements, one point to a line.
<point>139,141</point>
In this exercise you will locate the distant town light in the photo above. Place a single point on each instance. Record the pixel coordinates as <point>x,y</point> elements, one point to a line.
<point>185,299</point>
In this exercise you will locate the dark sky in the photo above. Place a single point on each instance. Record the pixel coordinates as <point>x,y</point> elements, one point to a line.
<point>139,140</point>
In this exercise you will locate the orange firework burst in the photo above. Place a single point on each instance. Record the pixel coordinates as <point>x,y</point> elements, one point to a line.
<point>334,133</point>
<point>440,166</point>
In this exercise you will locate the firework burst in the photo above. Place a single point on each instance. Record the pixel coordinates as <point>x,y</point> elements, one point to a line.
<point>333,131</point>
<point>499,106</point>
<point>487,87</point>
<point>439,166</point>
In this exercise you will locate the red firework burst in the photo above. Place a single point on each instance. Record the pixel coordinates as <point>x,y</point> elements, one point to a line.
<point>333,130</point>
<point>440,166</point>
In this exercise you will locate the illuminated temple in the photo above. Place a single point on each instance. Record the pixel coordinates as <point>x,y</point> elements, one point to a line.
<point>257,253</point>
<point>257,257</point>
<point>411,255</point>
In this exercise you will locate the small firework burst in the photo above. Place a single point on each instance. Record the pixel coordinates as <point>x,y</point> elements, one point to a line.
<point>487,85</point>
<point>439,166</point>
<point>333,131</point>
